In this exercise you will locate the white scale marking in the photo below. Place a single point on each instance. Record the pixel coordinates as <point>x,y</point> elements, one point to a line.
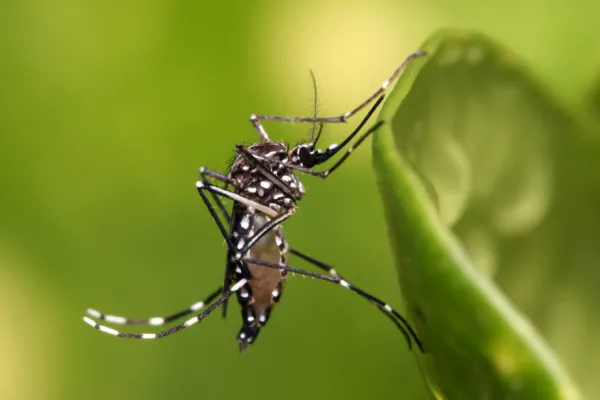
<point>345,284</point>
<point>262,318</point>
<point>244,294</point>
<point>278,195</point>
<point>250,318</point>
<point>149,335</point>
<point>157,321</point>
<point>94,313</point>
<point>197,306</point>
<point>89,322</point>
<point>241,244</point>
<point>114,319</point>
<point>261,192</point>
<point>278,240</point>
<point>286,178</point>
<point>190,321</point>
<point>245,223</point>
<point>275,293</point>
<point>388,308</point>
<point>266,184</point>
<point>332,147</point>
<point>239,285</point>
<point>252,205</point>
<point>108,330</point>
<point>251,189</point>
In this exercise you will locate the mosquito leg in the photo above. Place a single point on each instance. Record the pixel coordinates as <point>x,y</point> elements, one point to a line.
<point>277,218</point>
<point>156,321</point>
<point>255,121</point>
<point>331,271</point>
<point>205,172</point>
<point>347,285</point>
<point>227,276</point>
<point>322,156</point>
<point>325,174</point>
<point>236,197</point>
<point>240,264</point>
<point>256,118</point>
<point>175,329</point>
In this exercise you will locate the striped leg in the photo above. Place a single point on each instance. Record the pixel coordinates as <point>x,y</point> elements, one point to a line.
<point>256,119</point>
<point>331,271</point>
<point>175,329</point>
<point>156,321</point>
<point>342,282</point>
<point>202,185</point>
<point>208,173</point>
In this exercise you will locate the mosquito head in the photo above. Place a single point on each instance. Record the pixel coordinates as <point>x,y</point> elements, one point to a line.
<point>307,155</point>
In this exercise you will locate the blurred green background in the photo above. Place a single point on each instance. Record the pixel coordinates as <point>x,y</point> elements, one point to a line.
<point>106,112</point>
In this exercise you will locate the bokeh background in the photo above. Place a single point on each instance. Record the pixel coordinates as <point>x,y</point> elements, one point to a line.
<point>106,112</point>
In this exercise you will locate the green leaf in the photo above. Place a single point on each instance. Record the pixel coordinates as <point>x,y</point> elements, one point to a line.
<point>464,163</point>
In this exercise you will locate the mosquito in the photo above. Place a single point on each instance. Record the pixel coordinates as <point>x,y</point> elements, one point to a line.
<point>265,192</point>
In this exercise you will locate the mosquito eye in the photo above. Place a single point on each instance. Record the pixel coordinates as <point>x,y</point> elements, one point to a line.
<point>305,157</point>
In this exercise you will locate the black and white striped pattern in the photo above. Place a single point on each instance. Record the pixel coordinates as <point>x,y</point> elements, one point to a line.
<point>265,193</point>
<point>256,118</point>
<point>403,324</point>
<point>154,321</point>
<point>159,335</point>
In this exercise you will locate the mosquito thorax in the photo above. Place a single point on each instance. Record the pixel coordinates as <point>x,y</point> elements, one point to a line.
<point>253,184</point>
